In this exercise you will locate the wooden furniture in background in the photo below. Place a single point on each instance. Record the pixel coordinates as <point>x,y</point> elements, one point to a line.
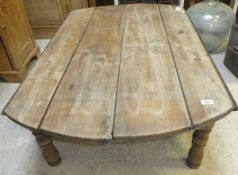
<point>92,3</point>
<point>46,16</point>
<point>17,46</point>
<point>122,73</point>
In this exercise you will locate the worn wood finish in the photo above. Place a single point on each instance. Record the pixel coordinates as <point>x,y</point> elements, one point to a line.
<point>205,93</point>
<point>84,103</point>
<point>122,73</point>
<point>131,74</point>
<point>149,100</point>
<point>31,101</point>
<point>49,151</point>
<point>200,138</point>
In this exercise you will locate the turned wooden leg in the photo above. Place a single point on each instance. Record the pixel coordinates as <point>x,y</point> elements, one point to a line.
<point>50,153</point>
<point>200,138</point>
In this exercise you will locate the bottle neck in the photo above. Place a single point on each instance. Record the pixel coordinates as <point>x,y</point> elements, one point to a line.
<point>211,1</point>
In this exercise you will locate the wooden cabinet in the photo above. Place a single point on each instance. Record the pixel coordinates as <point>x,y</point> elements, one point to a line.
<point>47,15</point>
<point>5,64</point>
<point>46,12</point>
<point>77,4</point>
<point>17,46</point>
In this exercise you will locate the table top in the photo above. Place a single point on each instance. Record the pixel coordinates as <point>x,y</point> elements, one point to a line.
<point>122,72</point>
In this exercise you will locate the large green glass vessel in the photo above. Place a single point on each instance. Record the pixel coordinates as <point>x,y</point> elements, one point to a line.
<point>212,20</point>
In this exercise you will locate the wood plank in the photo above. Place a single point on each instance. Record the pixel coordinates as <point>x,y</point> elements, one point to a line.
<point>207,97</point>
<point>150,101</point>
<point>83,106</point>
<point>30,102</point>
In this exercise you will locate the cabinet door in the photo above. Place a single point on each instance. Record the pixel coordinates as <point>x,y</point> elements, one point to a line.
<point>4,59</point>
<point>76,4</point>
<point>46,12</point>
<point>15,31</point>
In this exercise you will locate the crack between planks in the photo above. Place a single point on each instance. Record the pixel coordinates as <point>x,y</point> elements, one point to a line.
<point>176,68</point>
<point>89,21</point>
<point>119,68</point>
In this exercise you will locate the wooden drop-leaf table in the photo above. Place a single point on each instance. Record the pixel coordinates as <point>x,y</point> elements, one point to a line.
<point>122,73</point>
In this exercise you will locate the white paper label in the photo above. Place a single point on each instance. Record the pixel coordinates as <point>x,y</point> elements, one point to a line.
<point>178,8</point>
<point>207,102</point>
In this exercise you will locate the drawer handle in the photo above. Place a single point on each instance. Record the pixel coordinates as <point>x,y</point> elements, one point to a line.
<point>4,27</point>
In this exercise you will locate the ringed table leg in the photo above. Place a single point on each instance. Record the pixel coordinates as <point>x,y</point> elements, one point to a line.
<point>50,152</point>
<point>200,138</point>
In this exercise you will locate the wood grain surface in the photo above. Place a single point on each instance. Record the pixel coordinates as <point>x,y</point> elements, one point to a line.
<point>150,100</point>
<point>30,102</point>
<point>122,72</point>
<point>206,95</point>
<point>84,103</point>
